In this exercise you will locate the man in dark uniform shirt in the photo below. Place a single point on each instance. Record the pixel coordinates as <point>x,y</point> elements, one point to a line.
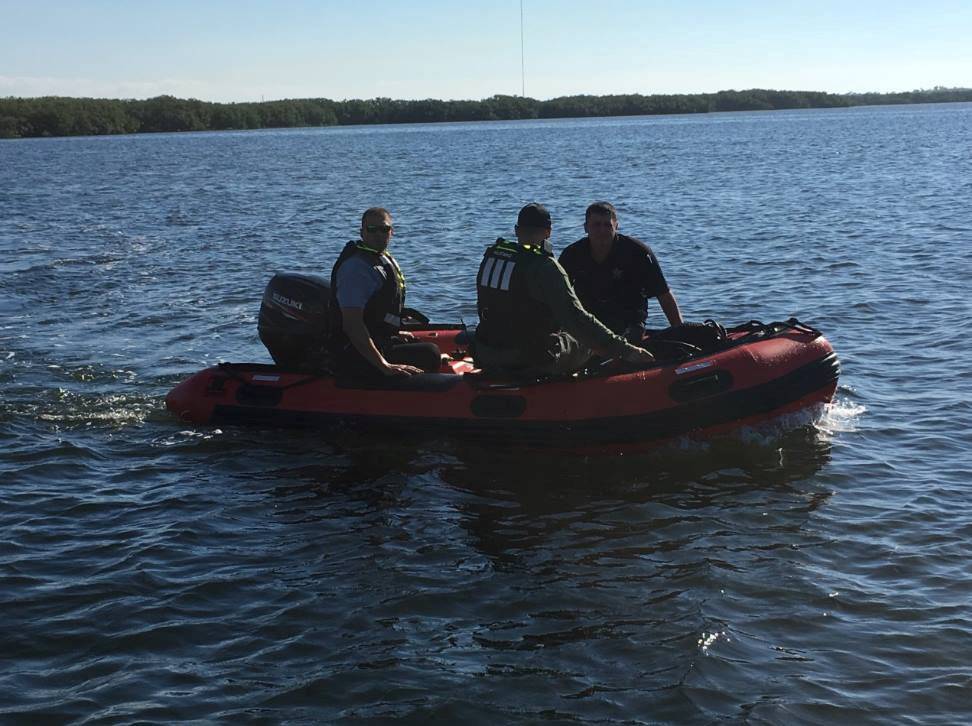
<point>615,275</point>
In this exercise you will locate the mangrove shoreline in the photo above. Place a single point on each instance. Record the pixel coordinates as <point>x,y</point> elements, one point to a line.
<point>65,116</point>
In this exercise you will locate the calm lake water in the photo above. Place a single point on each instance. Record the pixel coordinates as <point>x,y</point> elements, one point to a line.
<point>803,573</point>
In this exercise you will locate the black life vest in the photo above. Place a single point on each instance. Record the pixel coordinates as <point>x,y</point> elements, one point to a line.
<point>383,312</point>
<point>509,318</point>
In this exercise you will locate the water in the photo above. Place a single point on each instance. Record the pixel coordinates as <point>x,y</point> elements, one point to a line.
<point>808,572</point>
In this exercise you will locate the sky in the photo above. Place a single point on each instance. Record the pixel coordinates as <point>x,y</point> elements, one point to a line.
<point>250,50</point>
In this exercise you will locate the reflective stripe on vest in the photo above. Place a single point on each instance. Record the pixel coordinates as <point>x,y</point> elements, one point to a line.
<point>497,274</point>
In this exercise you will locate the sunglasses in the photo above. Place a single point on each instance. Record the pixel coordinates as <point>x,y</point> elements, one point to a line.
<point>386,228</point>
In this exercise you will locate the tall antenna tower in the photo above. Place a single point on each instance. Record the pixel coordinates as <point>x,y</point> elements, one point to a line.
<point>522,64</point>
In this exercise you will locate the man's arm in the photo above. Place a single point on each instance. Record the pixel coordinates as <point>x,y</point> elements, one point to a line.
<point>669,306</point>
<point>653,284</point>
<point>567,261</point>
<point>352,321</point>
<point>357,282</point>
<point>554,289</point>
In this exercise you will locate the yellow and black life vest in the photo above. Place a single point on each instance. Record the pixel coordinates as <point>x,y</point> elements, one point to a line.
<point>383,312</point>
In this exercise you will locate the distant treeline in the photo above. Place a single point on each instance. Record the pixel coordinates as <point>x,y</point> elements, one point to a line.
<point>61,116</point>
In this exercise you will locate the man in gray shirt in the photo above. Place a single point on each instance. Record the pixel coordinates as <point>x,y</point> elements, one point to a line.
<point>367,298</point>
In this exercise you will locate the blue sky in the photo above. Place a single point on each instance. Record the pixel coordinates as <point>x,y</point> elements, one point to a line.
<point>247,50</point>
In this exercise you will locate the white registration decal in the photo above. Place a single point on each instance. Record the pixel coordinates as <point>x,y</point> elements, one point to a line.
<point>258,377</point>
<point>692,368</point>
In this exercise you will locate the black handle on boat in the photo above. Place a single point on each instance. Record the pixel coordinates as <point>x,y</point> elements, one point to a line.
<point>671,350</point>
<point>411,315</point>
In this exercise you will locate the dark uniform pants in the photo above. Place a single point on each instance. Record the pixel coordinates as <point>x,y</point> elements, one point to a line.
<point>561,353</point>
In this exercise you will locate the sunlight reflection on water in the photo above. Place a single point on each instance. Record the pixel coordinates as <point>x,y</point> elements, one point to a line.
<point>809,569</point>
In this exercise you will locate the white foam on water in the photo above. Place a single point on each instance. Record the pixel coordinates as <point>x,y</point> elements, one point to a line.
<point>707,640</point>
<point>181,437</point>
<point>840,417</point>
<point>113,410</point>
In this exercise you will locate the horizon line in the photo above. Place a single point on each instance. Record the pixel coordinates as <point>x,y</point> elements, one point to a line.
<point>495,95</point>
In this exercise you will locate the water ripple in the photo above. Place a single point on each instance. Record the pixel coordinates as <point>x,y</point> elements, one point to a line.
<point>810,570</point>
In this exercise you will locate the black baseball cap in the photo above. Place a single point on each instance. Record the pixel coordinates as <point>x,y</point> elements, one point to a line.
<point>534,215</point>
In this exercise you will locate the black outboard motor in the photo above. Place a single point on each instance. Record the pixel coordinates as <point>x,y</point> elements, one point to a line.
<point>293,321</point>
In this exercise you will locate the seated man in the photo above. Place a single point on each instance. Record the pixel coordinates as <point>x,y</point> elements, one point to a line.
<point>367,296</point>
<point>615,275</point>
<point>530,318</point>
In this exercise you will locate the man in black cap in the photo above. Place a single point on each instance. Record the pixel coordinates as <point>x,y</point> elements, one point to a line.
<point>615,275</point>
<point>530,320</point>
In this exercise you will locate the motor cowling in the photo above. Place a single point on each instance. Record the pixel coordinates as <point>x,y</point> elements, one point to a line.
<point>293,321</point>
